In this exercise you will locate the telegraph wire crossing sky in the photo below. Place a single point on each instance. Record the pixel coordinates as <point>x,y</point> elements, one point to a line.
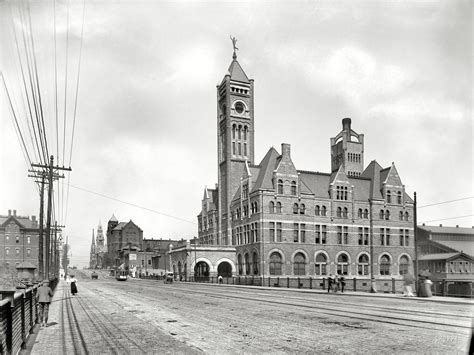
<point>145,74</point>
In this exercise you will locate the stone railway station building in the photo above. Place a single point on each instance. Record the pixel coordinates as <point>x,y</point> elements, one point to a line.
<point>271,219</point>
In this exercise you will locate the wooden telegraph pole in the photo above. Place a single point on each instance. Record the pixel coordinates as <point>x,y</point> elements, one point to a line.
<point>49,172</point>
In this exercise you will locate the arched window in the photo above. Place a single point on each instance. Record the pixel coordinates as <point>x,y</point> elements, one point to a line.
<point>295,208</point>
<point>342,264</point>
<point>363,265</point>
<point>399,197</point>
<point>317,210</point>
<point>247,264</point>
<point>323,211</point>
<point>359,213</point>
<point>403,266</point>
<point>302,209</point>
<point>271,207</point>
<point>366,213</point>
<point>387,215</point>
<point>239,132</point>
<point>339,212</point>
<point>344,212</point>
<point>293,188</point>
<point>381,214</point>
<point>320,264</point>
<point>255,263</point>
<point>384,265</point>
<point>278,207</point>
<point>245,133</point>
<point>275,264</point>
<point>389,196</point>
<point>239,263</point>
<point>280,187</point>
<point>400,216</point>
<point>406,216</point>
<point>233,131</point>
<point>299,265</point>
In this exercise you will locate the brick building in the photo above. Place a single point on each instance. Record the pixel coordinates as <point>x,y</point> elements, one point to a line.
<point>122,237</point>
<point>19,238</point>
<point>290,222</point>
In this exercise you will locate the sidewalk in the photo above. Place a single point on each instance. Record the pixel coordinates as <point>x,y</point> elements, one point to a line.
<point>47,340</point>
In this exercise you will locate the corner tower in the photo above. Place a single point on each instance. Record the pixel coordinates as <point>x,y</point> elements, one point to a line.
<point>235,143</point>
<point>347,152</point>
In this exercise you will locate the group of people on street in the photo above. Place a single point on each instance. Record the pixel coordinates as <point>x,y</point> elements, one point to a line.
<point>336,283</point>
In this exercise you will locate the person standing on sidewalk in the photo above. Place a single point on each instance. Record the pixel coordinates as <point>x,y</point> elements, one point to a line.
<point>342,281</point>
<point>330,281</point>
<point>44,295</point>
<point>73,285</point>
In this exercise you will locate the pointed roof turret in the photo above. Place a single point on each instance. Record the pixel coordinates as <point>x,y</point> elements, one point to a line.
<point>235,70</point>
<point>113,219</point>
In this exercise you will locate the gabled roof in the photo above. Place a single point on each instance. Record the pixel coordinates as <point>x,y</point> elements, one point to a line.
<point>266,168</point>
<point>372,171</point>
<point>23,222</point>
<point>444,256</point>
<point>392,178</point>
<point>339,176</point>
<point>237,73</point>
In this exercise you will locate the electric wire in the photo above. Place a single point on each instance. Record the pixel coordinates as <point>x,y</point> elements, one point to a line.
<point>75,105</point>
<point>445,219</point>
<point>37,81</point>
<point>134,205</point>
<point>25,86</point>
<point>444,202</point>
<point>18,130</point>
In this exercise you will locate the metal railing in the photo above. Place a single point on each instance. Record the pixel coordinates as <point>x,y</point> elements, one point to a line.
<point>18,317</point>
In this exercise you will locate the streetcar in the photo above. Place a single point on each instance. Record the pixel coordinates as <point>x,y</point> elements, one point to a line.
<point>121,275</point>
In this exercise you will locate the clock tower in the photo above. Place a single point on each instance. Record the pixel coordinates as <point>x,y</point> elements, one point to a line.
<point>235,144</point>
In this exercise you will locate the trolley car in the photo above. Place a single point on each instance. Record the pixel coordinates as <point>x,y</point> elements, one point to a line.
<point>121,275</point>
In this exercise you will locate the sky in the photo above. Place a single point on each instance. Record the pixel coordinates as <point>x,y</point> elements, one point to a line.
<point>144,117</point>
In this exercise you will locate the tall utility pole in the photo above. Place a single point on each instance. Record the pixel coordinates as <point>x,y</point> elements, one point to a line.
<point>373,288</point>
<point>416,242</point>
<point>51,173</point>
<point>54,249</point>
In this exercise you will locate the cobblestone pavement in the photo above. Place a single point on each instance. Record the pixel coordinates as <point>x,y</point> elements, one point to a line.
<point>144,316</point>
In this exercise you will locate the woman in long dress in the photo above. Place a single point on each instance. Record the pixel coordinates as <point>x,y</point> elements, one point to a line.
<point>73,285</point>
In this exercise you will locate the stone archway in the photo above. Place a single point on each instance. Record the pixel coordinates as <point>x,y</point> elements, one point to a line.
<point>224,269</point>
<point>201,271</point>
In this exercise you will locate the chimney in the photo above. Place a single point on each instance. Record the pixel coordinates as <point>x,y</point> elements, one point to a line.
<point>33,218</point>
<point>346,124</point>
<point>9,212</point>
<point>440,225</point>
<point>286,150</point>
<point>14,213</point>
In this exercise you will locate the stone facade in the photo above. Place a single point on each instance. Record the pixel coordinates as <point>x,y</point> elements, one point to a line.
<point>290,222</point>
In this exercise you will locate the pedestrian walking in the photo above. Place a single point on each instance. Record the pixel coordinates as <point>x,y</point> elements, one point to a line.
<point>407,282</point>
<point>220,279</point>
<point>43,296</point>
<point>73,285</point>
<point>342,280</point>
<point>330,281</point>
<point>336,283</point>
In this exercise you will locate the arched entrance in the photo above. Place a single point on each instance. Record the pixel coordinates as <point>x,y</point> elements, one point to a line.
<point>224,269</point>
<point>201,271</point>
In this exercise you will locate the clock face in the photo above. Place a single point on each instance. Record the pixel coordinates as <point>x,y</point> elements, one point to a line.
<point>239,107</point>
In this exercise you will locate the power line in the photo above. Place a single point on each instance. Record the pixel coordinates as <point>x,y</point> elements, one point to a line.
<point>444,202</point>
<point>132,204</point>
<point>445,219</point>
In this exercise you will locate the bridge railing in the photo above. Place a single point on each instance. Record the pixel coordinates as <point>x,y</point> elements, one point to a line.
<point>18,316</point>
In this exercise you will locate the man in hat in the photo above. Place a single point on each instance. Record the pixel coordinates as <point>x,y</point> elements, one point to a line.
<point>44,295</point>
